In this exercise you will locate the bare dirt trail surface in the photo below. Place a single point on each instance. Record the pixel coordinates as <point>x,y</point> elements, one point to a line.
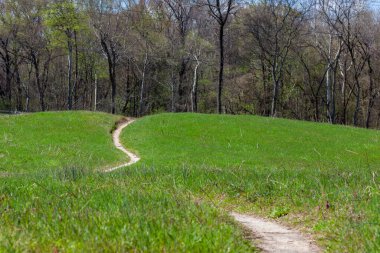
<point>275,238</point>
<point>116,141</point>
<point>268,236</point>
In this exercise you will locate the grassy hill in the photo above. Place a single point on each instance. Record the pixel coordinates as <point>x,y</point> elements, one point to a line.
<point>323,179</point>
<point>319,177</point>
<point>249,141</point>
<point>61,204</point>
<point>44,141</point>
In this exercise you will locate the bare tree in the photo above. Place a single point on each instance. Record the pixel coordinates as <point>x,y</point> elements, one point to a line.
<point>181,13</point>
<point>330,46</point>
<point>344,16</point>
<point>7,36</point>
<point>109,25</point>
<point>35,47</point>
<point>275,25</point>
<point>150,56</point>
<point>367,48</point>
<point>221,10</point>
<point>198,49</point>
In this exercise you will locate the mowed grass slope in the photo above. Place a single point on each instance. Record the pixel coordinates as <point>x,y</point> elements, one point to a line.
<point>322,178</point>
<point>44,141</point>
<point>193,169</point>
<point>226,141</point>
<point>67,206</point>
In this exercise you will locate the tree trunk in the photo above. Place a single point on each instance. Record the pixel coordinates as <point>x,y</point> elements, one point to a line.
<point>276,84</point>
<point>111,58</point>
<point>181,87</point>
<point>328,82</point>
<point>113,87</point>
<point>328,93</point>
<point>26,88</point>
<point>95,92</point>
<point>127,88</point>
<point>316,109</point>
<point>372,96</point>
<point>193,97</point>
<point>344,83</point>
<point>275,98</point>
<point>76,77</point>
<point>143,85</point>
<point>221,69</point>
<point>357,72</point>
<point>332,102</point>
<point>8,79</point>
<point>264,81</point>
<point>19,88</point>
<point>41,90</point>
<point>357,103</point>
<point>173,92</point>
<point>70,70</point>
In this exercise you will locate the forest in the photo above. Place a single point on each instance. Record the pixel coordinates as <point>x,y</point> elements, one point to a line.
<point>315,60</point>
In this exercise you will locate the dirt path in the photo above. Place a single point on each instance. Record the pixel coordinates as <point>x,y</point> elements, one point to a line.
<point>268,236</point>
<point>116,141</point>
<point>275,238</point>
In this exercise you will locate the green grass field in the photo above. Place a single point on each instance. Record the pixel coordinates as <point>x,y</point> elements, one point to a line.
<point>194,169</point>
<point>46,141</point>
<point>273,167</point>
<point>67,206</point>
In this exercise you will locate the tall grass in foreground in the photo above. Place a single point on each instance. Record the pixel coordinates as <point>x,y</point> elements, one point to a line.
<point>136,210</point>
<point>181,209</point>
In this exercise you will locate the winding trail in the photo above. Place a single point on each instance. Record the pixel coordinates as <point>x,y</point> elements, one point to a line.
<point>133,158</point>
<point>267,235</point>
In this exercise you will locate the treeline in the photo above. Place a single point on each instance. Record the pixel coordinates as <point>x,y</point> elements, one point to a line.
<point>305,59</point>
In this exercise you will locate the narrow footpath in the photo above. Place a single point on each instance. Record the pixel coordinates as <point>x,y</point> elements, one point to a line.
<point>116,141</point>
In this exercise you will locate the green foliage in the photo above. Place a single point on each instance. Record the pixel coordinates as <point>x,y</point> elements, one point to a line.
<point>62,16</point>
<point>279,212</point>
<point>196,42</point>
<point>63,19</point>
